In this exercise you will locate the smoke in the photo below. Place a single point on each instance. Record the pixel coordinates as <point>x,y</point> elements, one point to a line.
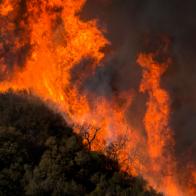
<point>129,24</point>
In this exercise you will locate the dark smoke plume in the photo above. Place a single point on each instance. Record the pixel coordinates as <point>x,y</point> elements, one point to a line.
<point>129,24</point>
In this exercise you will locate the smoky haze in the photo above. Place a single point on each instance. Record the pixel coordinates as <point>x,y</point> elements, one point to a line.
<point>129,23</point>
<point>14,38</point>
<point>132,26</point>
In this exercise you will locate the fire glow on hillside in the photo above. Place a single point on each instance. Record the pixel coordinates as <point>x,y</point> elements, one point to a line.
<point>61,52</point>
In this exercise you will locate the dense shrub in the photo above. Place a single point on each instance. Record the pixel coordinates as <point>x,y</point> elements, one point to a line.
<point>40,155</point>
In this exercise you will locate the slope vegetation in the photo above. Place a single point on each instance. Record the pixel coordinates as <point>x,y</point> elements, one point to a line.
<point>40,155</point>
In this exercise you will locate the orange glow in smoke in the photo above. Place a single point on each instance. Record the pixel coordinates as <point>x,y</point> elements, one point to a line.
<point>60,41</point>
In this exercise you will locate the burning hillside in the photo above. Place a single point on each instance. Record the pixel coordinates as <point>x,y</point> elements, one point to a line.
<point>54,50</point>
<point>53,161</point>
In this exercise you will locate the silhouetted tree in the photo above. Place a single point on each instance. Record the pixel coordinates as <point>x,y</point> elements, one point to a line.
<point>40,155</point>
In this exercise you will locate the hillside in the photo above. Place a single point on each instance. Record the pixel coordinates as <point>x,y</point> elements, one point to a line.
<point>40,155</point>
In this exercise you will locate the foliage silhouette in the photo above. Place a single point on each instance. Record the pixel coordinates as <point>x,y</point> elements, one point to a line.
<point>40,155</point>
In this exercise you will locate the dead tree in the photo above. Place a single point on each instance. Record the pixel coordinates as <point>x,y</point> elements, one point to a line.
<point>114,149</point>
<point>88,134</point>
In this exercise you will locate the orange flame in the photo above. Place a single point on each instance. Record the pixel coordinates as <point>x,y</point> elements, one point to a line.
<point>5,7</point>
<point>156,122</point>
<point>55,52</point>
<point>59,42</point>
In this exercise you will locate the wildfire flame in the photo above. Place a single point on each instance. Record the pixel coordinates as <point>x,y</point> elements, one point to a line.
<point>156,122</point>
<point>59,42</point>
<point>5,7</point>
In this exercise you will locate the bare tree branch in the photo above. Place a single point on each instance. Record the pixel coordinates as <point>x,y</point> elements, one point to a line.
<point>88,133</point>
